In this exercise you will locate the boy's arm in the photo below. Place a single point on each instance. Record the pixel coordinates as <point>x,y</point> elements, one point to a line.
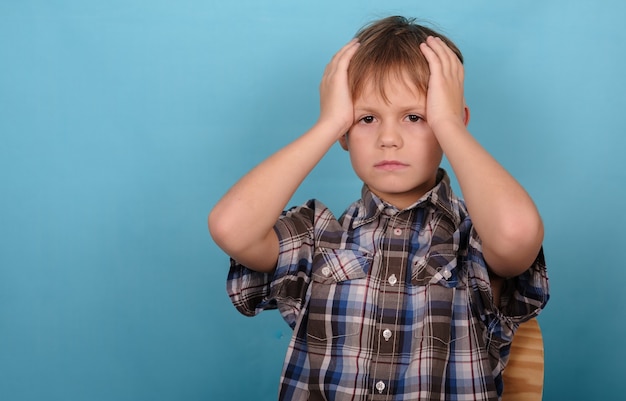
<point>242,222</point>
<point>503,214</point>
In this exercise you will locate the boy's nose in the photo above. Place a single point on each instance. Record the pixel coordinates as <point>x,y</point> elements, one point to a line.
<point>388,136</point>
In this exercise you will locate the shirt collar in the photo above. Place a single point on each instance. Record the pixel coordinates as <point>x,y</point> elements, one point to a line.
<point>440,197</point>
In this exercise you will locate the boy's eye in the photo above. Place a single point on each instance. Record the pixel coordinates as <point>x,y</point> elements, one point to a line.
<point>414,118</point>
<point>368,119</point>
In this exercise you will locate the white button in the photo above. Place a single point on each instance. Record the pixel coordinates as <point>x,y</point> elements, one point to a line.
<point>392,279</point>
<point>326,271</point>
<point>387,334</point>
<point>397,231</point>
<point>380,386</point>
<point>446,273</point>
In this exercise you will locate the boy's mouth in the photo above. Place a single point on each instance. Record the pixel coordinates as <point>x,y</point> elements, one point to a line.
<point>390,165</point>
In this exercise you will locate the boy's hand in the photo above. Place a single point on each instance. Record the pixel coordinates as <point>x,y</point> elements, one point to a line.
<point>444,101</point>
<point>336,106</point>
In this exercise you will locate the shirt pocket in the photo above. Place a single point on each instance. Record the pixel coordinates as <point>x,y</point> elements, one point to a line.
<point>338,293</point>
<point>441,305</point>
<point>436,268</point>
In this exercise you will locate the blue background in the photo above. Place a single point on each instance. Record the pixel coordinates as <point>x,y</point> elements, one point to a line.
<point>123,121</point>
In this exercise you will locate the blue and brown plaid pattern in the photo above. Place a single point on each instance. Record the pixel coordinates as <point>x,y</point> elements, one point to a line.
<point>389,304</point>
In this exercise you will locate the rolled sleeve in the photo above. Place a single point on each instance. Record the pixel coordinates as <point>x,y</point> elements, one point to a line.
<point>526,295</point>
<point>522,297</point>
<point>252,292</point>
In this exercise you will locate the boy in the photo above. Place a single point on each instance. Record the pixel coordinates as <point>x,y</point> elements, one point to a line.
<point>405,296</point>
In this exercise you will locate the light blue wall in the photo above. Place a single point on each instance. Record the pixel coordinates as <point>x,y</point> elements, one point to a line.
<point>123,121</point>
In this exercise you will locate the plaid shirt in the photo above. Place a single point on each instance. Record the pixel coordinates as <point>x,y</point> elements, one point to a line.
<point>389,304</point>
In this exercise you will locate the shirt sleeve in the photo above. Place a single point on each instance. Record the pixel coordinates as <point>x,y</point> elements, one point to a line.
<point>252,292</point>
<point>522,298</point>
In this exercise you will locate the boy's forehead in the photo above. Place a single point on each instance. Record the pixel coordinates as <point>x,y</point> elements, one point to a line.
<point>388,85</point>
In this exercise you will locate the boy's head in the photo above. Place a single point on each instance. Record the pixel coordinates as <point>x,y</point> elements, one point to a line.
<point>390,48</point>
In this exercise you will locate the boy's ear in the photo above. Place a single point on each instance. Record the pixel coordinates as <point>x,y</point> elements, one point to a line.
<point>466,115</point>
<point>343,141</point>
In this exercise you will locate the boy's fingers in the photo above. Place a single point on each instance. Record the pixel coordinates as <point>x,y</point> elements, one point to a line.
<point>438,54</point>
<point>340,61</point>
<point>440,49</point>
<point>431,56</point>
<point>339,52</point>
<point>344,55</point>
<point>427,50</point>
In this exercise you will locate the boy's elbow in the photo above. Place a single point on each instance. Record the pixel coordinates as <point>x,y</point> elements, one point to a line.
<point>218,228</point>
<point>524,231</point>
<point>516,247</point>
<point>258,254</point>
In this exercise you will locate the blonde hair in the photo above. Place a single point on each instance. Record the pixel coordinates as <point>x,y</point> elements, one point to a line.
<point>390,48</point>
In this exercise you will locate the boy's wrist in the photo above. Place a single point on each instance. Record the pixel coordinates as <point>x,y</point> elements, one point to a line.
<point>446,126</point>
<point>334,130</point>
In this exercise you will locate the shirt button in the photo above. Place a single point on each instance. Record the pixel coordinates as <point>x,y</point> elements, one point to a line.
<point>326,271</point>
<point>392,279</point>
<point>397,231</point>
<point>387,334</point>
<point>446,273</point>
<point>380,386</point>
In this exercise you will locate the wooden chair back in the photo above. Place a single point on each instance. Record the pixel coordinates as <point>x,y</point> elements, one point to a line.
<point>523,376</point>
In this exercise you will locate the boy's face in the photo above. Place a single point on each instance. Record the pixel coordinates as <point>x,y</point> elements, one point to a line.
<point>392,148</point>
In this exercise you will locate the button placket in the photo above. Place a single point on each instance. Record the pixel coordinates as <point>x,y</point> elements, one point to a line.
<point>394,247</point>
